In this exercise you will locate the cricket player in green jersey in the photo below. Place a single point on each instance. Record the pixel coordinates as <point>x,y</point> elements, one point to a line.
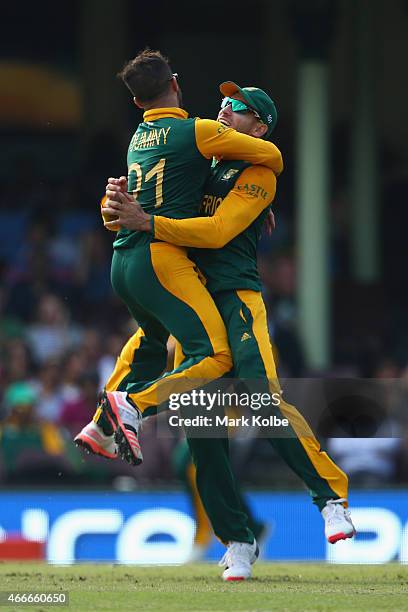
<point>157,280</point>
<point>237,198</point>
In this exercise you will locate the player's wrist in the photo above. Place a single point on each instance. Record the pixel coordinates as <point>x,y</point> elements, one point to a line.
<point>148,225</point>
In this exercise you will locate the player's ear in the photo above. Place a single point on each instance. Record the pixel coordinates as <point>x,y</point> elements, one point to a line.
<point>138,104</point>
<point>173,84</point>
<point>259,130</point>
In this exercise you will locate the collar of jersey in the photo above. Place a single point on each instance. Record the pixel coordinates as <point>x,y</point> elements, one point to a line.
<point>160,113</point>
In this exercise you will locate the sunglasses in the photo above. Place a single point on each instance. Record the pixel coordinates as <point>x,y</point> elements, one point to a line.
<point>239,107</point>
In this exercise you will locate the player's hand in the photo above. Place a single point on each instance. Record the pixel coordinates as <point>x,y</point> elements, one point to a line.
<point>115,186</point>
<point>270,223</point>
<point>128,213</point>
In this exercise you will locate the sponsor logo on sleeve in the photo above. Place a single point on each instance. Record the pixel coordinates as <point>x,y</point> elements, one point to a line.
<point>255,191</point>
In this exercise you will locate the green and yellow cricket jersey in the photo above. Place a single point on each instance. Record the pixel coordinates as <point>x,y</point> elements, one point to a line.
<point>237,199</point>
<point>235,264</point>
<point>169,160</point>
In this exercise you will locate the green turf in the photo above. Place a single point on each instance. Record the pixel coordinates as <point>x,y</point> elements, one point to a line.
<point>199,587</point>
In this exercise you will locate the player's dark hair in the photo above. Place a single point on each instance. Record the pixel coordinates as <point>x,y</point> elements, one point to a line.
<point>147,75</point>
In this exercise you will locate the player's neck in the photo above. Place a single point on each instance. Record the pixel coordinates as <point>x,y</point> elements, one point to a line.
<point>169,101</point>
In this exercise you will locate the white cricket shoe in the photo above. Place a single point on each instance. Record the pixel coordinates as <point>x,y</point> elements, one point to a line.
<point>126,419</point>
<point>338,523</point>
<point>92,439</point>
<point>238,559</point>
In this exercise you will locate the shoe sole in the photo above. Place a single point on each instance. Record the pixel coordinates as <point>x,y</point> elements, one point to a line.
<point>340,536</point>
<point>123,437</point>
<point>241,578</point>
<point>92,448</point>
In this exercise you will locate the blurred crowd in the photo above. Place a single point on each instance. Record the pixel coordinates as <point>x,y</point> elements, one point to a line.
<point>61,329</point>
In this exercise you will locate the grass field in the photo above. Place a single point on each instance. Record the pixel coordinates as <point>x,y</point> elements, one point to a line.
<point>198,587</point>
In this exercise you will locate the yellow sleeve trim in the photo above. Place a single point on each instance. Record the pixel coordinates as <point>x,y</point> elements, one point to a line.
<point>216,140</point>
<point>252,193</point>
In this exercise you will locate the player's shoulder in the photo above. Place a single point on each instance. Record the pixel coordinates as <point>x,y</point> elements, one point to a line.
<point>260,174</point>
<point>209,126</point>
<point>259,181</point>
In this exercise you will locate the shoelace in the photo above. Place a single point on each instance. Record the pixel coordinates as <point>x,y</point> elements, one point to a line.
<point>224,561</point>
<point>133,413</point>
<point>337,511</point>
<point>235,552</point>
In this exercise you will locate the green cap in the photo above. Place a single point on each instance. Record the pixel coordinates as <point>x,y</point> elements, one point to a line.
<point>255,98</point>
<point>20,394</point>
